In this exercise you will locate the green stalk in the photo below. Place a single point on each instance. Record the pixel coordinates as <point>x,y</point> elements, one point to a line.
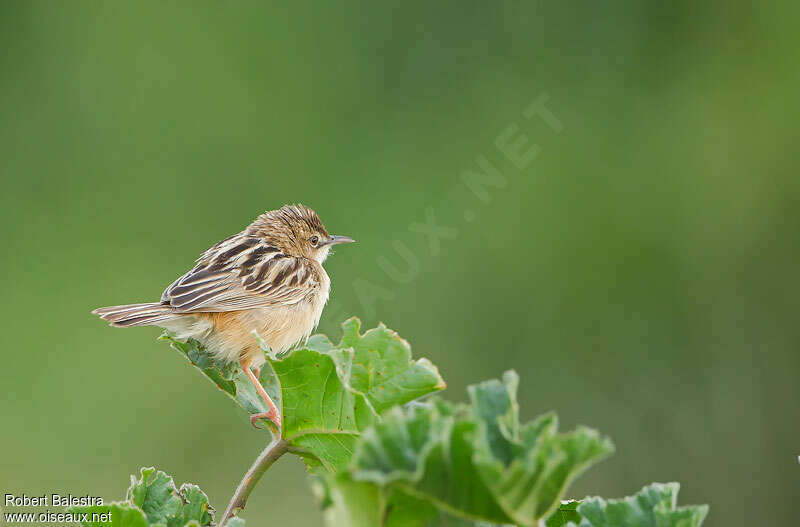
<point>264,460</point>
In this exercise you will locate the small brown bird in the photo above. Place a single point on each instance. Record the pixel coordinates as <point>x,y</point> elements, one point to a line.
<point>267,278</point>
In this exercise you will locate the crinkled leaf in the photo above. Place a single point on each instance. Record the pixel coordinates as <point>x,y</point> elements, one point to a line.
<point>122,515</point>
<point>653,506</point>
<point>328,393</point>
<point>155,493</point>
<point>382,368</point>
<point>403,510</point>
<point>477,462</point>
<point>228,377</point>
<point>352,503</point>
<point>565,513</point>
<point>155,499</point>
<point>195,507</point>
<point>362,504</point>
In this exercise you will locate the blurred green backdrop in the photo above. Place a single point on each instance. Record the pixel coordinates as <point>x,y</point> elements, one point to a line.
<point>640,273</point>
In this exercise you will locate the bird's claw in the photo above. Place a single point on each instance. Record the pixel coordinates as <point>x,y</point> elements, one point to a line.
<point>272,416</point>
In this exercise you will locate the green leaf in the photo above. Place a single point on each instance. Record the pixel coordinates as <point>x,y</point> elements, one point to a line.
<point>122,514</point>
<point>353,503</point>
<point>155,493</point>
<point>153,500</point>
<point>382,368</point>
<point>227,377</point>
<point>403,510</point>
<point>195,507</point>
<point>653,506</point>
<point>565,513</point>
<point>477,462</point>
<point>328,393</point>
<point>360,504</point>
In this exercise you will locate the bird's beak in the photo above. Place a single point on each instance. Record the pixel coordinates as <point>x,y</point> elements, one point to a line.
<point>335,240</point>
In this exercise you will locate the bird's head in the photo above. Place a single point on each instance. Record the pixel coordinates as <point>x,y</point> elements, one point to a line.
<point>297,231</point>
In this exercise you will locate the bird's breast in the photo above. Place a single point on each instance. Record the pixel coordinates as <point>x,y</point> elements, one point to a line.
<point>283,326</point>
<point>280,326</point>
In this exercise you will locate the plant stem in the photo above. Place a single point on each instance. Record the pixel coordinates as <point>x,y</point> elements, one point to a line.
<point>265,459</point>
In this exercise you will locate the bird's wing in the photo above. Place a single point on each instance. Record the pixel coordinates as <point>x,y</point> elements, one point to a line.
<point>242,272</point>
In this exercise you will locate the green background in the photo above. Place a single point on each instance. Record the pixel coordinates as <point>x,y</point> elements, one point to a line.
<point>640,273</point>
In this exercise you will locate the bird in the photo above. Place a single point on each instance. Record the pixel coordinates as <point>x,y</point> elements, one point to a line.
<point>266,279</point>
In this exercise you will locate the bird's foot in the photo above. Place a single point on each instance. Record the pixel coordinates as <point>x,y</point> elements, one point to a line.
<point>272,415</point>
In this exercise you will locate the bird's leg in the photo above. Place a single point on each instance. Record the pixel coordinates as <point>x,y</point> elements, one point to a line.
<point>273,414</point>
<point>257,372</point>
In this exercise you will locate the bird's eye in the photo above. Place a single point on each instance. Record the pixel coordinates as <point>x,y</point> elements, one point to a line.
<point>314,240</point>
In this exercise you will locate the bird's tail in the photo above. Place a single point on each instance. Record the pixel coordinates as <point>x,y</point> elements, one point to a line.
<point>130,315</point>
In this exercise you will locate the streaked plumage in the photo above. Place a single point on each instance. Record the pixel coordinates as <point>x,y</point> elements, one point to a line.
<point>268,279</point>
